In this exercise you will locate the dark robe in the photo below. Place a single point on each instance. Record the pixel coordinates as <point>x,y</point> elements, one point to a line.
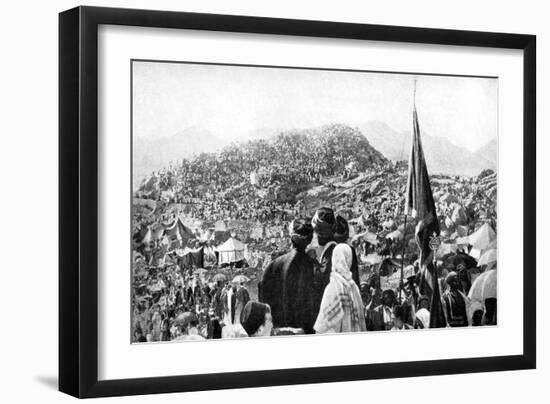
<point>375,320</point>
<point>241,297</point>
<point>321,276</point>
<point>455,309</point>
<point>287,286</point>
<point>355,267</point>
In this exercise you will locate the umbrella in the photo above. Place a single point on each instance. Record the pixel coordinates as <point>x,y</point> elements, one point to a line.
<point>460,259</point>
<point>446,250</point>
<point>488,257</point>
<point>489,289</point>
<point>219,278</point>
<point>240,279</point>
<point>200,271</point>
<point>185,318</point>
<point>484,286</point>
<point>388,267</point>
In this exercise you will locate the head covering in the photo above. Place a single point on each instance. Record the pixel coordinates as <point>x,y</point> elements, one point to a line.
<point>422,298</point>
<point>341,230</point>
<point>253,316</point>
<point>341,306</point>
<point>475,305</point>
<point>323,222</point>
<point>423,316</point>
<point>301,233</point>
<point>341,261</point>
<point>389,292</point>
<point>450,276</point>
<point>399,312</point>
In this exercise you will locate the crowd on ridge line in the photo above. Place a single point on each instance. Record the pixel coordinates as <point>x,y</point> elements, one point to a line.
<point>309,289</point>
<point>217,186</point>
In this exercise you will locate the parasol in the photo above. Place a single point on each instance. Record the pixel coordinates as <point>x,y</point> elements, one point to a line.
<point>185,318</point>
<point>200,271</point>
<point>489,289</point>
<point>219,278</point>
<point>488,257</point>
<point>484,287</point>
<point>458,259</point>
<point>240,279</point>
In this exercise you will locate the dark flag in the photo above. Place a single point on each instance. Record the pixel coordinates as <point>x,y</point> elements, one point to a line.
<point>420,205</point>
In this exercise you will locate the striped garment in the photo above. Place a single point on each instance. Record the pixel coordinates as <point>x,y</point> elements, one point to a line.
<point>341,307</point>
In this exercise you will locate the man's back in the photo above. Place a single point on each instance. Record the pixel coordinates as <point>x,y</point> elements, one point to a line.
<point>287,286</point>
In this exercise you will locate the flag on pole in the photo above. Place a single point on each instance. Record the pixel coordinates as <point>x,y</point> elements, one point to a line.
<point>420,205</point>
<point>420,201</point>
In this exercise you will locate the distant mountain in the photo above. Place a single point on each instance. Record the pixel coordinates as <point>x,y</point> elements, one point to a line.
<point>442,156</point>
<point>152,155</point>
<point>489,152</point>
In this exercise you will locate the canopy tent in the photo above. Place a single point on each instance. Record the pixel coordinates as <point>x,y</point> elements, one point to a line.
<point>395,235</point>
<point>189,258</point>
<point>481,239</point>
<point>220,226</point>
<point>178,231</point>
<point>154,232</point>
<point>230,251</point>
<point>367,236</point>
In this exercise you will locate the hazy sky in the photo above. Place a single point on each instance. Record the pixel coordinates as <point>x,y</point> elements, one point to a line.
<point>231,100</point>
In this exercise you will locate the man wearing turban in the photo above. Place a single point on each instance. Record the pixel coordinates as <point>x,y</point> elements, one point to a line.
<point>455,303</point>
<point>287,282</point>
<point>324,224</point>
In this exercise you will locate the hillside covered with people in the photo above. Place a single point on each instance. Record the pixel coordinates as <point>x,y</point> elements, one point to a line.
<point>249,193</point>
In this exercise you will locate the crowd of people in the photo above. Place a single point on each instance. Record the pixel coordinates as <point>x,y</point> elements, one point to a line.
<point>304,283</point>
<point>313,288</point>
<point>218,186</point>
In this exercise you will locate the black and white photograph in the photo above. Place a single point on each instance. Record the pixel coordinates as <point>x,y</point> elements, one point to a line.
<point>283,201</point>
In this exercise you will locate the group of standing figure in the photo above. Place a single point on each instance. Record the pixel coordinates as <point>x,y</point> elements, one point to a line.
<point>315,286</point>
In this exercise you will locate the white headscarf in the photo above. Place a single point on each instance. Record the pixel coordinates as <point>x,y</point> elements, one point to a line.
<point>342,258</point>
<point>341,307</point>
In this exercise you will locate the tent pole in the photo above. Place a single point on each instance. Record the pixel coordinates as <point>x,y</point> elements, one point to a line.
<point>403,255</point>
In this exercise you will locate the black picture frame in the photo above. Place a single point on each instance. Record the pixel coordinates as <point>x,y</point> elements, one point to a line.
<point>78,200</point>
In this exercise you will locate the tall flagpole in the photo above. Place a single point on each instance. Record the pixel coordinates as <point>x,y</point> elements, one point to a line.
<point>405,217</point>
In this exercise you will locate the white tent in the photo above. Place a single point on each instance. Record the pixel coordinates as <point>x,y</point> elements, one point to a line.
<point>481,239</point>
<point>395,235</point>
<point>230,251</point>
<point>220,226</point>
